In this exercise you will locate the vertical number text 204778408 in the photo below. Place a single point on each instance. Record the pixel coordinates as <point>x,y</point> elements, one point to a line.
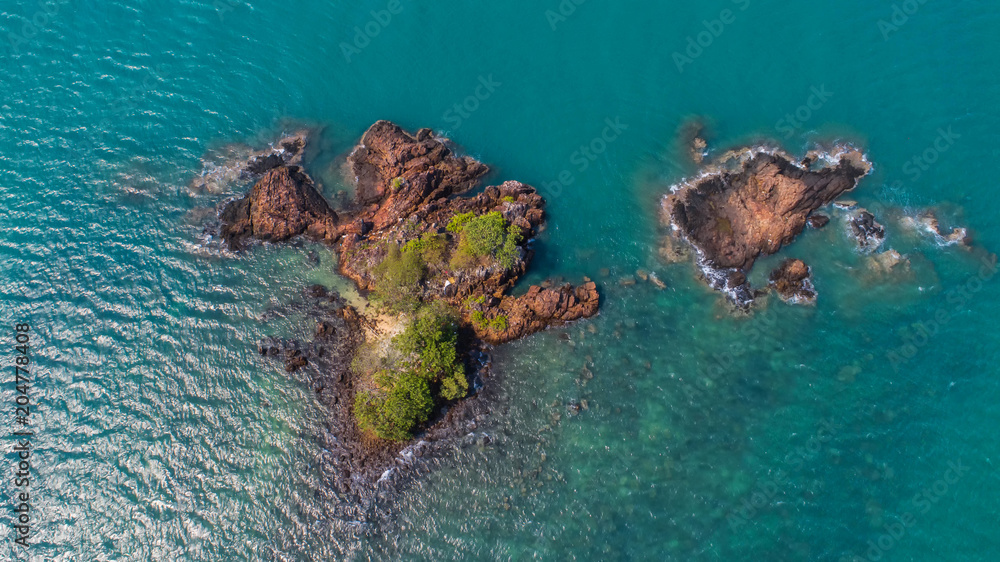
<point>22,434</point>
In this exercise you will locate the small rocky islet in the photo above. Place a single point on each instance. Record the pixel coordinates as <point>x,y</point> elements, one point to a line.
<point>438,265</point>
<point>751,202</point>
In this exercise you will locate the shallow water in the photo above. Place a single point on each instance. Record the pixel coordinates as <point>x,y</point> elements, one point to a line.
<point>161,435</point>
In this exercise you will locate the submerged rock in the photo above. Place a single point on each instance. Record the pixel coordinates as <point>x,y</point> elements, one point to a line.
<point>818,220</point>
<point>928,222</point>
<point>792,280</point>
<point>692,136</point>
<point>235,163</point>
<point>732,216</point>
<point>888,262</point>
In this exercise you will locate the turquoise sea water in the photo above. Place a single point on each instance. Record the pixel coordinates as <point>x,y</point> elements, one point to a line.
<point>796,434</point>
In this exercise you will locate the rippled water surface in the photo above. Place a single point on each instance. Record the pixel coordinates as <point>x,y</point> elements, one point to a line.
<point>800,433</point>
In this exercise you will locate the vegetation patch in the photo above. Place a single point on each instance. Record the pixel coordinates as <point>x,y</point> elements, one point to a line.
<point>398,279</point>
<point>485,236</point>
<point>498,324</point>
<point>458,222</point>
<point>432,247</point>
<point>420,370</point>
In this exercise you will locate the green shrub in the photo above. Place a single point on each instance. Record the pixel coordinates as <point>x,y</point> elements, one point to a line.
<point>499,324</point>
<point>393,414</point>
<point>431,247</point>
<point>424,357</point>
<point>487,235</point>
<point>458,222</point>
<point>456,385</point>
<point>433,338</point>
<point>475,301</point>
<point>508,199</point>
<point>398,278</point>
<point>479,320</point>
<point>397,184</point>
<point>484,235</point>
<point>510,253</point>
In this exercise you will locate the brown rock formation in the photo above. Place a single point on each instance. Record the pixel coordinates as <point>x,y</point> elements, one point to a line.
<point>818,220</point>
<point>283,204</point>
<point>406,188</point>
<point>540,308</point>
<point>425,165</point>
<point>406,185</point>
<point>733,216</point>
<point>792,280</point>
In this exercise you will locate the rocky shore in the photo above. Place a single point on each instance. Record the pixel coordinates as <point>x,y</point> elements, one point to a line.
<point>411,241</point>
<point>750,204</point>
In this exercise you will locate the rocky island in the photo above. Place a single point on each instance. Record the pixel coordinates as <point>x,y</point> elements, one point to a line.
<point>438,265</point>
<point>750,204</point>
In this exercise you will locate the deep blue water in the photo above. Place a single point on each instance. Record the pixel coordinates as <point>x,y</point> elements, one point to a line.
<point>160,435</point>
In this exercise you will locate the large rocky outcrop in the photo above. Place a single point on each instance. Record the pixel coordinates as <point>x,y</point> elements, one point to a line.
<point>406,189</point>
<point>388,158</point>
<point>540,308</point>
<point>282,204</point>
<point>734,214</point>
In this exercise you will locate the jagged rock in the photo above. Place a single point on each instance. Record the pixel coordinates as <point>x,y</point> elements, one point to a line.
<point>540,308</point>
<point>387,152</point>
<point>867,231</point>
<point>734,216</point>
<point>262,164</point>
<point>792,280</point>
<point>283,204</point>
<point>294,361</point>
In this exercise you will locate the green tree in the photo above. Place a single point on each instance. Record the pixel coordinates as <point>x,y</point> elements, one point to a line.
<point>398,278</point>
